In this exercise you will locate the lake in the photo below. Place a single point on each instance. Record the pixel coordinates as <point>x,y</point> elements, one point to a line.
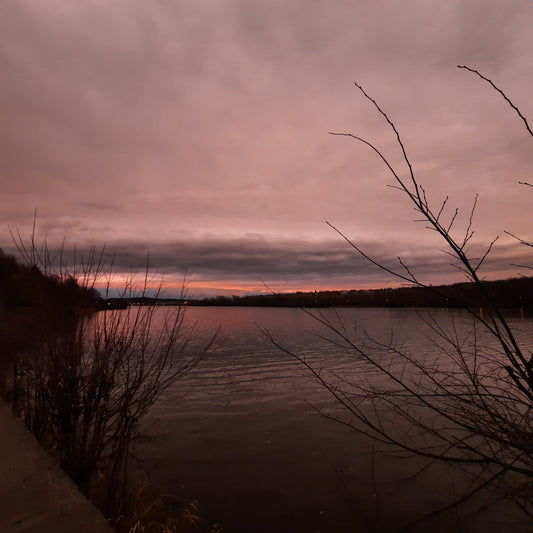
<point>242,435</point>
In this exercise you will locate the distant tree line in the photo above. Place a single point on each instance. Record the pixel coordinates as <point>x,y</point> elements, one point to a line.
<point>31,301</point>
<point>125,302</point>
<point>514,293</point>
<point>26,287</point>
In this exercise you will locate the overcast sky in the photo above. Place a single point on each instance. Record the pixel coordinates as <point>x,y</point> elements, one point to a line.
<point>197,130</point>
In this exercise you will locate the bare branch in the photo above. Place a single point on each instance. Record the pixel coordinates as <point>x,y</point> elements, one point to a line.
<point>520,240</point>
<point>505,97</point>
<point>470,402</point>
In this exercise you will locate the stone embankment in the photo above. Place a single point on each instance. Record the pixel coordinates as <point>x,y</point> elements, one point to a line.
<point>35,494</point>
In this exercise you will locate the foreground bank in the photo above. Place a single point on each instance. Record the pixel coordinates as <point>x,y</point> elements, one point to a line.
<point>36,495</point>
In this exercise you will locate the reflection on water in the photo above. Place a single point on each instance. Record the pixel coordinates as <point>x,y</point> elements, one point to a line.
<point>242,435</point>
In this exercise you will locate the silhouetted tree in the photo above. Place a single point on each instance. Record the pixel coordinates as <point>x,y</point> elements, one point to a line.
<point>470,402</point>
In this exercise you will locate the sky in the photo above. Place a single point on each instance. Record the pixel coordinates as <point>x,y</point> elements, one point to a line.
<point>197,133</point>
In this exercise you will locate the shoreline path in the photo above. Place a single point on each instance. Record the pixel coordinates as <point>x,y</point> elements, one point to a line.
<point>35,494</point>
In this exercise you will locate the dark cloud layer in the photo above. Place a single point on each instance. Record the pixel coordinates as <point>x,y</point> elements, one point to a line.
<point>254,264</point>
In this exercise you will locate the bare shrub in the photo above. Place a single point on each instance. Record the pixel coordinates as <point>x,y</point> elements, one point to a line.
<point>469,403</point>
<point>88,376</point>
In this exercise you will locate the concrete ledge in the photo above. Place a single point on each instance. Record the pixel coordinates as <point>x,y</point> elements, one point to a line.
<point>35,494</point>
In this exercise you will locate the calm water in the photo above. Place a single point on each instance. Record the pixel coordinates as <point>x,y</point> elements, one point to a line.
<point>241,433</point>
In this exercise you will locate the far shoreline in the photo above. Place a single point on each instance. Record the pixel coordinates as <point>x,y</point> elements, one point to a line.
<point>509,294</point>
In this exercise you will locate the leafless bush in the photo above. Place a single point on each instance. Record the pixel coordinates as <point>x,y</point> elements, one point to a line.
<point>87,377</point>
<point>469,402</point>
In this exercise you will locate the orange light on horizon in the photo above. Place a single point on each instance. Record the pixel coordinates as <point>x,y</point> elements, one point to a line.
<point>243,287</point>
<point>140,283</point>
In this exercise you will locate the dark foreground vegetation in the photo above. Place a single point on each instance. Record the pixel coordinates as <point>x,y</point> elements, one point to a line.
<point>516,293</point>
<point>82,376</point>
